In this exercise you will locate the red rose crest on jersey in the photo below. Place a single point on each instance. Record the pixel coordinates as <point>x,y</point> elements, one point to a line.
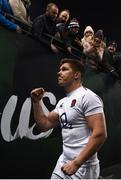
<point>73,102</point>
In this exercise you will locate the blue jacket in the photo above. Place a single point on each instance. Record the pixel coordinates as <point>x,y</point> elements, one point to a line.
<point>5,7</point>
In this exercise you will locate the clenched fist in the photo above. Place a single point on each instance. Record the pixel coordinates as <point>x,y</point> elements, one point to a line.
<point>37,94</point>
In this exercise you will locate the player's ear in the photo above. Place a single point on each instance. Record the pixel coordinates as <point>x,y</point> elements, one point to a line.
<point>77,75</point>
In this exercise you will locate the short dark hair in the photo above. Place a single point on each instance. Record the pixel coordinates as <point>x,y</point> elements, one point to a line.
<point>75,64</point>
<point>50,5</point>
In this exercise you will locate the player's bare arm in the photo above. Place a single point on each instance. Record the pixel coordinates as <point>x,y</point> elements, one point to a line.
<point>45,122</point>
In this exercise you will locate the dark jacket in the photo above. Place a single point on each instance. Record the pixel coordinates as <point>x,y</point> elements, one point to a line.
<point>98,63</point>
<point>69,38</point>
<point>104,64</point>
<point>43,24</point>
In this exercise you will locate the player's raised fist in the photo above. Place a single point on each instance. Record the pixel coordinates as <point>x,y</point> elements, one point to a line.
<point>37,94</point>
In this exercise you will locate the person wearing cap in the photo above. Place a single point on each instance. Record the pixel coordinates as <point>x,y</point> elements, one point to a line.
<point>71,35</point>
<point>88,38</point>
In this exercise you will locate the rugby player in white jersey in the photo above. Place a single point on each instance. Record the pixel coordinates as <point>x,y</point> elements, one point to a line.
<point>82,120</point>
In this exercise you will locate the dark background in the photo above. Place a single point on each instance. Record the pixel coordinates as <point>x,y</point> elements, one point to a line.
<point>23,65</point>
<point>99,14</point>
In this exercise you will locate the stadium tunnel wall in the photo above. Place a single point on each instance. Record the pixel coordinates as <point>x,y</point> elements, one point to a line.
<point>26,64</point>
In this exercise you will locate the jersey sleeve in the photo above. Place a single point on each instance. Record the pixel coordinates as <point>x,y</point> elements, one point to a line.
<point>92,104</point>
<point>58,105</point>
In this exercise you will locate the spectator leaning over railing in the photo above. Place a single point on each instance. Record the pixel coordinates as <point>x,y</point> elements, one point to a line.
<point>46,23</point>
<point>71,35</point>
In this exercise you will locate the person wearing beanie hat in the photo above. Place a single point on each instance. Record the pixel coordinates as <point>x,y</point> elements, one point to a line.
<point>99,34</point>
<point>100,57</point>
<point>87,40</point>
<point>88,29</point>
<point>98,44</point>
<point>99,39</point>
<point>71,35</point>
<point>73,24</point>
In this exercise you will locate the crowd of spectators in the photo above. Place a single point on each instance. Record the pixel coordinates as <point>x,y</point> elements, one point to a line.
<point>61,26</point>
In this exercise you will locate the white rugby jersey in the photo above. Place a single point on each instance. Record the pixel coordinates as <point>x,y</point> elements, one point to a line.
<point>72,111</point>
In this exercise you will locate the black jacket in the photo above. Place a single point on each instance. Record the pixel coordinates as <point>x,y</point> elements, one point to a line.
<point>43,24</point>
